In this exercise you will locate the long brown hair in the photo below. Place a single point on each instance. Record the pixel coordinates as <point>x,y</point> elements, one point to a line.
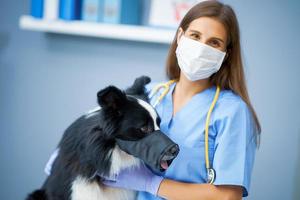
<point>231,74</point>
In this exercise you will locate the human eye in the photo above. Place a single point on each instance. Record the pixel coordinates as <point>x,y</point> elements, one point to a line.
<point>215,43</point>
<point>195,36</point>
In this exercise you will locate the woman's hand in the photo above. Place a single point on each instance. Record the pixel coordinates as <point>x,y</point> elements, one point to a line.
<point>138,178</point>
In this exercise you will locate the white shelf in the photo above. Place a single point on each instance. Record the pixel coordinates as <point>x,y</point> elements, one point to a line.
<point>83,28</point>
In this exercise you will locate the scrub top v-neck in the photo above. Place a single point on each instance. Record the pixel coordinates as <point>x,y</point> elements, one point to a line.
<point>188,113</point>
<point>231,145</point>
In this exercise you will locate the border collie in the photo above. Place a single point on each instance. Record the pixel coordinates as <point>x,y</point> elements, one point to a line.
<point>89,146</point>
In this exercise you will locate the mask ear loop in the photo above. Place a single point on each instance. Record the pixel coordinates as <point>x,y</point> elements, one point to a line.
<point>211,174</point>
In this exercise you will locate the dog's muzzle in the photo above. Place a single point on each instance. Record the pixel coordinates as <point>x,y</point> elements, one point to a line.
<point>156,149</point>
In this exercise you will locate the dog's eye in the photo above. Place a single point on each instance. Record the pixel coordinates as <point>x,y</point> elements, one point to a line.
<point>144,129</point>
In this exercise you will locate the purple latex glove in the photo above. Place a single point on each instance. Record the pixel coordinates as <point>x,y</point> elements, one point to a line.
<point>138,178</point>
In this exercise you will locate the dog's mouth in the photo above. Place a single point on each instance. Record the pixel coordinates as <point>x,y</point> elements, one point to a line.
<point>168,157</point>
<point>156,150</point>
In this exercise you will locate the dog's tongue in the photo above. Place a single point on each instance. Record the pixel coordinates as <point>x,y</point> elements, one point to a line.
<point>164,164</point>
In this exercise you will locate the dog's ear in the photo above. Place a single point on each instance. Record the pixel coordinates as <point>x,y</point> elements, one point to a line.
<point>138,86</point>
<point>111,97</point>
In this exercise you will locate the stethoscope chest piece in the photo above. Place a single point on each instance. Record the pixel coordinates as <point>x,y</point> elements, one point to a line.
<point>211,175</point>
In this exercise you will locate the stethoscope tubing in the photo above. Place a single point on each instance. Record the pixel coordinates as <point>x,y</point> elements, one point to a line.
<point>211,174</point>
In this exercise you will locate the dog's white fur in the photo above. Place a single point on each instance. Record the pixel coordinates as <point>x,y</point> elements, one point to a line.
<point>82,189</point>
<point>151,110</point>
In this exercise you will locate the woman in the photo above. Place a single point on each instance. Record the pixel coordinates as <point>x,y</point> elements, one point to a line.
<point>205,54</point>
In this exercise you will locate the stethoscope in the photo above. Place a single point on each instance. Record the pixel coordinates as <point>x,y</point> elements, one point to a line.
<point>211,173</point>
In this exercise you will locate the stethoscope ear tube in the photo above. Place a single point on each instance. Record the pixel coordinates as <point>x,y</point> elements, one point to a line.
<point>166,87</point>
<point>211,173</point>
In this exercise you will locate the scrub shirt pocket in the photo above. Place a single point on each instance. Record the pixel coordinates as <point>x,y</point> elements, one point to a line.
<point>189,165</point>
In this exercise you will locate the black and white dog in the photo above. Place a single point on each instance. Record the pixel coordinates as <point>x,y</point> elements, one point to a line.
<point>105,141</point>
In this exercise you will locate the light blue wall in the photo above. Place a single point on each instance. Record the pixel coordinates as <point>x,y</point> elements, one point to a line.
<point>47,80</point>
<point>270,32</point>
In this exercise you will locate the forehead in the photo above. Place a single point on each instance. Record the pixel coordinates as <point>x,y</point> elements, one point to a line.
<point>209,27</point>
<point>146,106</point>
<point>151,111</point>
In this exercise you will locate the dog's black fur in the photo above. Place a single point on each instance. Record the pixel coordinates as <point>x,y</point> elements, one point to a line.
<point>87,144</point>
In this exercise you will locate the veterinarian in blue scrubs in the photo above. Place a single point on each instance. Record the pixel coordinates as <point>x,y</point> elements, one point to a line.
<point>204,55</point>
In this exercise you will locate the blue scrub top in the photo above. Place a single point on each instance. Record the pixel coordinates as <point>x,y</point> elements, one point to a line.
<point>232,144</point>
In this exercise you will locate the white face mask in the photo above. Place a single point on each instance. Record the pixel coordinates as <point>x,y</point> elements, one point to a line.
<point>197,60</point>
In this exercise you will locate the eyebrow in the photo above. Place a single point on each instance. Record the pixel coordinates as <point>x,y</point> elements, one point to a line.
<point>210,38</point>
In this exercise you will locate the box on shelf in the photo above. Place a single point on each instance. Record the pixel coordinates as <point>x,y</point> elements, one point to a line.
<point>169,13</point>
<point>122,11</point>
<point>70,9</point>
<point>36,9</point>
<point>51,8</point>
<point>107,11</point>
<point>92,10</point>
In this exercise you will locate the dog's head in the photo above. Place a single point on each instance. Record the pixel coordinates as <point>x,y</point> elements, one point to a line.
<point>133,123</point>
<point>133,118</point>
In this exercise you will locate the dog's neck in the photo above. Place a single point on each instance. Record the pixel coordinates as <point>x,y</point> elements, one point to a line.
<point>121,160</point>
